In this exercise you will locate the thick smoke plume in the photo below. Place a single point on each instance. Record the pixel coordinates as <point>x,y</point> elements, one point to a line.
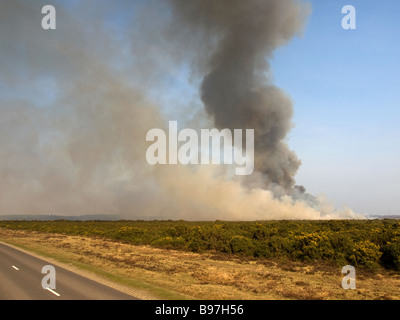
<point>236,90</point>
<point>76,104</point>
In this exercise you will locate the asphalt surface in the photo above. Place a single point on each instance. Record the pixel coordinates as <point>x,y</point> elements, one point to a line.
<point>21,279</point>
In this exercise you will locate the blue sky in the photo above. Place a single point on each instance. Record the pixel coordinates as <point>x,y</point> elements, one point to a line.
<point>345,88</point>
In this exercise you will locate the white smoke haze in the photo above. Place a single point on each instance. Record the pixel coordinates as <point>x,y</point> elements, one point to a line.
<point>76,104</point>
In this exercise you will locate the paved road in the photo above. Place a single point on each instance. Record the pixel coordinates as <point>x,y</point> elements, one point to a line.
<point>21,279</point>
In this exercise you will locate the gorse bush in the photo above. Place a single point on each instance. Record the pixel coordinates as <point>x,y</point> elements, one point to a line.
<point>362,243</point>
<point>366,253</point>
<point>242,245</point>
<point>313,246</point>
<point>391,254</point>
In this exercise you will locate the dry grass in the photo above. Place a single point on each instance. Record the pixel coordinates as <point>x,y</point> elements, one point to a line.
<point>168,274</point>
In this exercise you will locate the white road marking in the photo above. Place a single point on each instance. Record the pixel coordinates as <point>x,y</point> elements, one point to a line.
<point>15,268</point>
<point>53,292</point>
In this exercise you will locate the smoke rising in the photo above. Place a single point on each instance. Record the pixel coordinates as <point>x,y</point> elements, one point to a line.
<point>76,104</point>
<point>236,90</point>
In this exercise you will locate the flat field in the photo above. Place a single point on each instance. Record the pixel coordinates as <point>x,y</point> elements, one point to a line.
<point>224,260</point>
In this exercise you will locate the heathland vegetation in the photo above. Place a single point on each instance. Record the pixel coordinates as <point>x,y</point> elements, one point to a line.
<point>363,243</point>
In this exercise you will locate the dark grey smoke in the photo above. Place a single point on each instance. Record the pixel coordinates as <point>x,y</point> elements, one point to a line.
<point>236,89</point>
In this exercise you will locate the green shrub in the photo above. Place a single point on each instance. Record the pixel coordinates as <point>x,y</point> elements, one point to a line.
<point>343,247</point>
<point>170,243</point>
<point>363,243</point>
<point>260,232</point>
<point>280,246</point>
<point>197,245</point>
<point>262,250</point>
<point>366,253</point>
<point>313,246</point>
<point>391,254</point>
<point>241,245</point>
